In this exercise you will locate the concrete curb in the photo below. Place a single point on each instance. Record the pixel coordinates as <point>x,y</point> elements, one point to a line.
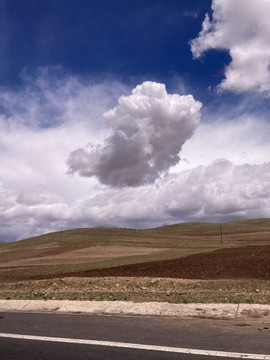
<point>215,311</point>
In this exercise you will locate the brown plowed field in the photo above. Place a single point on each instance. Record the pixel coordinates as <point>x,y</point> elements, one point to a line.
<point>250,262</point>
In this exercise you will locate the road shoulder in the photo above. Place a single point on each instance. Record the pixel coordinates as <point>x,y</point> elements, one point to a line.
<point>215,311</point>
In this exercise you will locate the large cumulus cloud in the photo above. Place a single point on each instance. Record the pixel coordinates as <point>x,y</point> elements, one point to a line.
<point>149,128</point>
<point>241,27</point>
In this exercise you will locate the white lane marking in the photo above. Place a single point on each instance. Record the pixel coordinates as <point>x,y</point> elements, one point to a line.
<point>234,355</point>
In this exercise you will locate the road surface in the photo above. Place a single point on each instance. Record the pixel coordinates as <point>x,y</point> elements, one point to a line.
<point>57,336</point>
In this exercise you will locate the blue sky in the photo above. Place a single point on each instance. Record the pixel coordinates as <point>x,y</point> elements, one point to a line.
<point>132,113</point>
<point>101,38</point>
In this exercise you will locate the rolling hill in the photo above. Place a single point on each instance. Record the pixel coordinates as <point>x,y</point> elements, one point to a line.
<point>191,250</point>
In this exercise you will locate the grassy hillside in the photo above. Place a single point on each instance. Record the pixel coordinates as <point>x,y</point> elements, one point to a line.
<point>86,249</point>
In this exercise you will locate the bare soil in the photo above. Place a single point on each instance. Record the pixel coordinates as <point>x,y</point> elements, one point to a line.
<point>236,275</point>
<point>250,262</point>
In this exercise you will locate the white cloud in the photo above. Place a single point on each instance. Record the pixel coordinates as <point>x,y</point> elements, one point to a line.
<point>221,190</point>
<point>241,140</point>
<point>149,129</point>
<point>40,123</point>
<point>50,97</point>
<point>25,214</point>
<point>217,192</point>
<point>191,14</point>
<point>242,27</point>
<point>37,195</point>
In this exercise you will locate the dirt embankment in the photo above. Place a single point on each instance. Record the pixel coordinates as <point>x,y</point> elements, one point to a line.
<point>251,262</point>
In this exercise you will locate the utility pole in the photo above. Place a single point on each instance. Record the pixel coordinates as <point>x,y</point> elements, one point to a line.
<point>221,238</point>
<point>61,235</point>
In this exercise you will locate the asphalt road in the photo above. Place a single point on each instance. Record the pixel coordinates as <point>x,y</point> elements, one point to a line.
<point>116,337</point>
